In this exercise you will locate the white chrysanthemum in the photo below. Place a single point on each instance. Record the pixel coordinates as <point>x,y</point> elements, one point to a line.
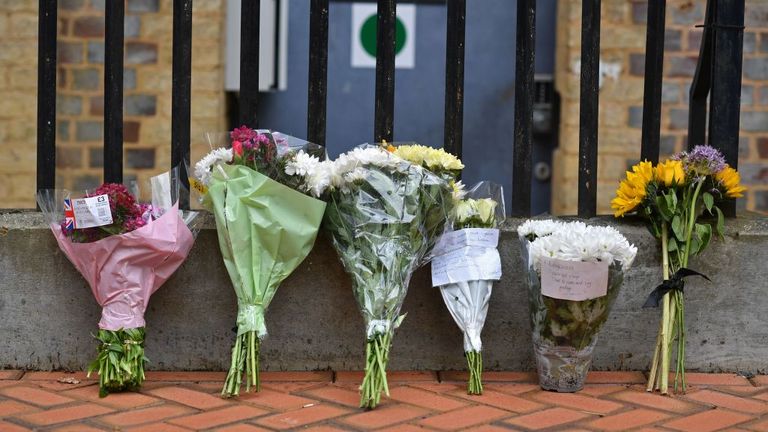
<point>301,164</point>
<point>204,166</point>
<point>319,179</point>
<point>459,192</point>
<point>577,242</point>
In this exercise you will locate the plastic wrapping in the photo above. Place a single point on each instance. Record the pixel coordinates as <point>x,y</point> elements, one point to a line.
<point>465,263</point>
<point>564,331</point>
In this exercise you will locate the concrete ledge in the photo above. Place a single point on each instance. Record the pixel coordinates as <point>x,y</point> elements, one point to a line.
<point>47,312</point>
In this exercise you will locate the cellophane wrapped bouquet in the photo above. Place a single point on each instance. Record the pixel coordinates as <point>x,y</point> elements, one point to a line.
<point>676,197</point>
<point>125,250</point>
<point>386,208</point>
<point>266,225</point>
<point>575,272</point>
<point>465,264</point>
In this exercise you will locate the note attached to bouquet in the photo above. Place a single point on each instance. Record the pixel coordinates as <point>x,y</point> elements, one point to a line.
<point>573,280</point>
<point>88,212</point>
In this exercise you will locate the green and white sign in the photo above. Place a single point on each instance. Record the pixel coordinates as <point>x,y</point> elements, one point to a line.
<point>364,36</point>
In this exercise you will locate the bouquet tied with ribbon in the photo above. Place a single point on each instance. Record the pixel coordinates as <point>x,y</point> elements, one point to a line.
<point>125,250</point>
<point>676,197</point>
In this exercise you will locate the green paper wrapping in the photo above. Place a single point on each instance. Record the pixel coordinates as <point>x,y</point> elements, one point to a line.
<point>265,230</point>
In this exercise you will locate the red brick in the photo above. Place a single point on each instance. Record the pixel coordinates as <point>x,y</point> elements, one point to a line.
<point>382,417</point>
<point>402,428</point>
<point>10,407</point>
<point>145,415</point>
<point>491,376</point>
<point>759,426</point>
<point>761,380</point>
<point>77,427</point>
<point>655,400</point>
<point>61,415</point>
<point>392,376</point>
<point>242,427</point>
<point>628,420</point>
<point>322,428</point>
<point>547,418</point>
<point>740,390</point>
<point>599,390</point>
<point>35,396</point>
<point>124,400</point>
<point>514,389</point>
<point>735,403</point>
<point>598,377</point>
<point>337,395</point>
<point>55,376</point>
<point>11,374</point>
<point>464,417</point>
<point>157,427</point>
<point>218,417</point>
<point>292,387</point>
<point>578,402</point>
<point>762,396</point>
<point>10,427</point>
<point>313,376</point>
<point>275,400</point>
<point>442,387</point>
<point>425,399</point>
<point>503,401</point>
<point>348,376</point>
<point>707,421</point>
<point>695,378</point>
<point>186,376</point>
<point>301,417</point>
<point>490,428</point>
<point>188,397</point>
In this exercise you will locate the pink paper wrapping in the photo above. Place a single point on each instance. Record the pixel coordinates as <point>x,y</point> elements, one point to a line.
<point>125,270</point>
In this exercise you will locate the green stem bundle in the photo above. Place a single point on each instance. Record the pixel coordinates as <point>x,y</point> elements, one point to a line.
<point>375,380</point>
<point>245,358</point>
<point>120,362</point>
<point>475,367</point>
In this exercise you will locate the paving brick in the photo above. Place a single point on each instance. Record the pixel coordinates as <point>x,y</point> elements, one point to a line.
<point>66,414</point>
<point>762,380</point>
<point>10,427</point>
<point>219,417</point>
<point>301,417</point>
<point>492,376</point>
<point>628,420</point>
<point>599,390</point>
<point>425,399</point>
<point>547,419</point>
<point>157,427</point>
<point>186,376</point>
<point>403,428</point>
<point>761,426</point>
<point>275,400</point>
<point>599,377</point>
<point>503,401</point>
<point>35,395</point>
<point>337,395</point>
<point>145,415</point>
<point>653,400</point>
<point>11,374</point>
<point>242,427</point>
<point>10,407</point>
<point>735,403</point>
<point>442,387</point>
<point>311,376</point>
<point>579,402</point>
<point>382,417</point>
<point>514,389</point>
<point>188,397</point>
<point>392,376</point>
<point>77,427</point>
<point>707,421</point>
<point>464,417</point>
<point>695,378</point>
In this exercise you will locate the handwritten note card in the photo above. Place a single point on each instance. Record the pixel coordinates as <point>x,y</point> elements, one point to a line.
<point>573,280</point>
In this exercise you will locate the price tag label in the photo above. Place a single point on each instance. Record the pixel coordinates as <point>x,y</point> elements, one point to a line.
<point>573,280</point>
<point>88,212</point>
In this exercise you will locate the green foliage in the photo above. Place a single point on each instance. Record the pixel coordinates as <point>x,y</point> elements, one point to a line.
<point>120,360</point>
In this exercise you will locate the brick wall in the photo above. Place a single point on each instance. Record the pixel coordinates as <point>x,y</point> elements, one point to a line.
<point>621,96</point>
<point>147,91</point>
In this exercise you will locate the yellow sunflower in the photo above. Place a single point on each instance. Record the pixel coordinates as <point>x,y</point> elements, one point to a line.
<point>670,172</point>
<point>632,190</point>
<point>730,179</point>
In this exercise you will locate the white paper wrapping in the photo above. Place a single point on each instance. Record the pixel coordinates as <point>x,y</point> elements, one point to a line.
<point>466,255</point>
<point>468,304</point>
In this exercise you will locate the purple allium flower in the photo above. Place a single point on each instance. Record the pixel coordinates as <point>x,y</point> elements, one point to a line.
<point>703,159</point>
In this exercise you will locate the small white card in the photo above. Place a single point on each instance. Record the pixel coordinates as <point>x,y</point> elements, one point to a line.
<point>475,237</point>
<point>466,264</point>
<point>573,280</point>
<point>91,212</point>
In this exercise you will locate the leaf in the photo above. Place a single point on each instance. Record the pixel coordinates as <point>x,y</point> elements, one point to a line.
<point>672,245</point>
<point>661,203</point>
<point>695,244</point>
<point>720,227</point>
<point>709,201</point>
<point>671,201</point>
<point>704,233</point>
<point>677,228</point>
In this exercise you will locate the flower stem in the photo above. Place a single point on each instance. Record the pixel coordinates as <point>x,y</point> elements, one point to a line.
<point>475,366</point>
<point>375,379</point>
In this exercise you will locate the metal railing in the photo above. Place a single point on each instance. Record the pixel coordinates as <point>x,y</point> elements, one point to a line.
<point>718,78</point>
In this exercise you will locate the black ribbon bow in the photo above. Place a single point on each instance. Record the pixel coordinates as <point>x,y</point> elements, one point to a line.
<point>674,283</point>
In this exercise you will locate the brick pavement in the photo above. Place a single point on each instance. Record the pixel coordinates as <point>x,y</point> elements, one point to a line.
<point>327,401</point>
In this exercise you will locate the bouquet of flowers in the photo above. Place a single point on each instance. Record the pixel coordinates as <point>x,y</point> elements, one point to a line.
<point>465,263</point>
<point>386,208</point>
<point>266,227</point>
<point>673,196</point>
<point>125,250</point>
<point>574,275</point>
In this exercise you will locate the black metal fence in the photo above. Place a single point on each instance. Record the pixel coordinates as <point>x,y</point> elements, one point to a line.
<point>717,79</point>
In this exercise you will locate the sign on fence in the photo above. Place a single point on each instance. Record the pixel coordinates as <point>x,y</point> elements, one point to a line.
<point>364,36</point>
